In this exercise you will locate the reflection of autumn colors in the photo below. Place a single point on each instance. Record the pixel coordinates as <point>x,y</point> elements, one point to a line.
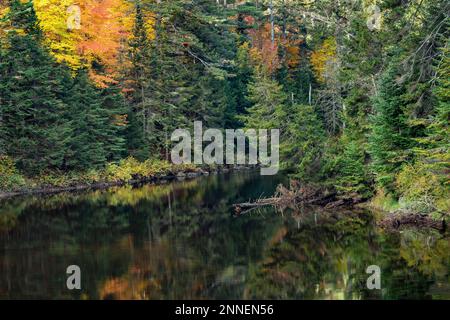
<point>181,241</point>
<point>326,259</point>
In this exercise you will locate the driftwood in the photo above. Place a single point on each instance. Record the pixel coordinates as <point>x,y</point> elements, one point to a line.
<point>296,196</point>
<point>396,221</point>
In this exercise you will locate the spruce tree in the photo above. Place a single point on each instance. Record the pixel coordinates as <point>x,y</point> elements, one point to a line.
<point>34,131</point>
<point>137,78</point>
<point>267,100</point>
<point>390,134</point>
<point>302,141</point>
<point>115,112</point>
<point>88,122</point>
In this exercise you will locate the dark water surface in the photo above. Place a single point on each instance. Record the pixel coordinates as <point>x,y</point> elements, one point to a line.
<point>181,241</point>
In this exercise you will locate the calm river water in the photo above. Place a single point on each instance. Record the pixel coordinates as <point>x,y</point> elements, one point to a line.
<point>181,241</point>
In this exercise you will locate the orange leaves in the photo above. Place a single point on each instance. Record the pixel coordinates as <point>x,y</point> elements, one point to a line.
<point>292,55</point>
<point>102,80</point>
<point>261,41</point>
<point>102,36</point>
<point>105,28</point>
<point>249,20</point>
<point>265,53</point>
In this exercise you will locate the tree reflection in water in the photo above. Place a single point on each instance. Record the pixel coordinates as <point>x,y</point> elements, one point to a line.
<point>180,241</point>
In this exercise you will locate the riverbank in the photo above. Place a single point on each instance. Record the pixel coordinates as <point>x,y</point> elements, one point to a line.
<point>126,172</point>
<point>298,197</point>
<point>130,171</point>
<point>122,235</point>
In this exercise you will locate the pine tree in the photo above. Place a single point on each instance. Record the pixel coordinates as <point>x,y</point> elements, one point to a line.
<point>302,141</point>
<point>34,131</point>
<point>390,134</point>
<point>267,100</point>
<point>138,77</point>
<point>88,121</point>
<point>352,172</point>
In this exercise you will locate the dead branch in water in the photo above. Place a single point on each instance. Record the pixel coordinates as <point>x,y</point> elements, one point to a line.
<point>396,221</point>
<point>298,197</point>
<point>295,197</point>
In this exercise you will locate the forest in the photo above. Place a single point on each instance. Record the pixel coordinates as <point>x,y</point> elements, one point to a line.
<point>91,90</point>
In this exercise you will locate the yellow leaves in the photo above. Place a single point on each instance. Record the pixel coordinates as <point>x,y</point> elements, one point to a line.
<point>5,23</point>
<point>53,16</point>
<point>323,59</point>
<point>104,29</point>
<point>3,10</point>
<point>421,187</point>
<point>96,38</point>
<point>120,120</point>
<point>256,57</point>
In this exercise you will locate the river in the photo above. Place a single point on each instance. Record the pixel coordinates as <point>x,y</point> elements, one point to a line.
<point>180,240</point>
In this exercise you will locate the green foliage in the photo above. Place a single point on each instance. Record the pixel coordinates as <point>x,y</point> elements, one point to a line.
<point>10,178</point>
<point>87,121</point>
<point>180,76</point>
<point>374,117</point>
<point>96,134</point>
<point>352,173</point>
<point>390,138</point>
<point>423,184</point>
<point>302,141</point>
<point>49,120</point>
<point>422,190</point>
<point>267,101</point>
<point>384,201</point>
<point>130,168</point>
<point>34,130</point>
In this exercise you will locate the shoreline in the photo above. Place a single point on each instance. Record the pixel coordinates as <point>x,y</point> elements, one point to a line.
<point>180,175</point>
<point>390,220</point>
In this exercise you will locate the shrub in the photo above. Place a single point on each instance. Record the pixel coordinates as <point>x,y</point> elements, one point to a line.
<point>10,178</point>
<point>130,168</point>
<point>421,189</point>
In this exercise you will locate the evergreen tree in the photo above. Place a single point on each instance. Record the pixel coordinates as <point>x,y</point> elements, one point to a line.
<point>137,82</point>
<point>115,111</point>
<point>390,136</point>
<point>34,131</point>
<point>88,120</point>
<point>267,101</point>
<point>352,172</point>
<point>302,141</point>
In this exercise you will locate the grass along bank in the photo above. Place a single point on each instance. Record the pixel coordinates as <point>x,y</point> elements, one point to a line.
<point>126,171</point>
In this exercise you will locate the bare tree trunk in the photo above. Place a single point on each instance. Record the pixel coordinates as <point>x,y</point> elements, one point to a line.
<point>310,94</point>
<point>284,20</point>
<point>272,23</point>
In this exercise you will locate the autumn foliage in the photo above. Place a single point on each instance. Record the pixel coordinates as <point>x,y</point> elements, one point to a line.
<point>105,28</point>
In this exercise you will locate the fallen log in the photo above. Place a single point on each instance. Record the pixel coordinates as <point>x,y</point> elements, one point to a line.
<point>293,198</point>
<point>396,221</point>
